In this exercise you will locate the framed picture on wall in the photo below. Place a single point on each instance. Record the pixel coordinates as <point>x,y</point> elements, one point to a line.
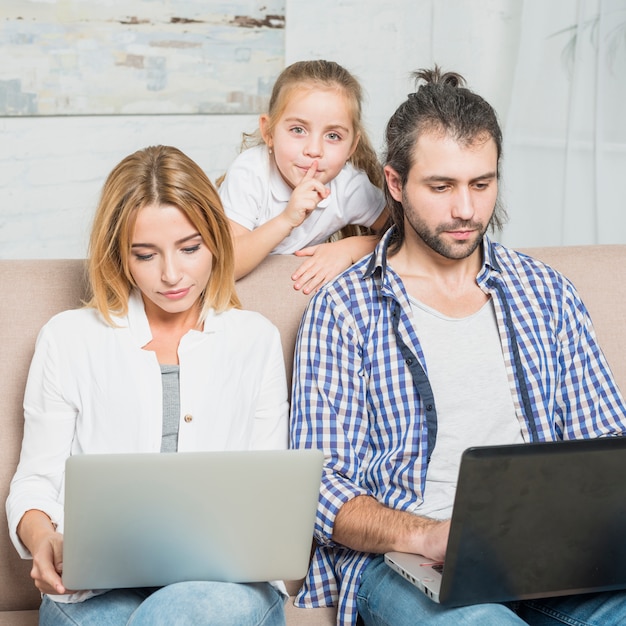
<point>78,57</point>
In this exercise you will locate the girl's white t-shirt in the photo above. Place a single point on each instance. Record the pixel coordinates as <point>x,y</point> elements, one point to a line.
<point>253,192</point>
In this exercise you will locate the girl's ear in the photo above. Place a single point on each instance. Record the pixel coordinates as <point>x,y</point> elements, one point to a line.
<point>394,183</point>
<point>264,123</point>
<point>355,144</point>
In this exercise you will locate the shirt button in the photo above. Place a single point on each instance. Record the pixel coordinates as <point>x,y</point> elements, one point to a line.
<point>429,407</point>
<point>188,418</point>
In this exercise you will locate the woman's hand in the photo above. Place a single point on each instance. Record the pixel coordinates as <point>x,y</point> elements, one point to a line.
<point>45,544</point>
<point>48,565</point>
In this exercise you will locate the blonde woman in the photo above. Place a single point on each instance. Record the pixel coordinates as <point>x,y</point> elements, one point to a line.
<point>162,336</point>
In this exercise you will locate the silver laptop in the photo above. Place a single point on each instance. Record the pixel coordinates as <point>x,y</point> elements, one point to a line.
<point>143,520</point>
<point>530,521</point>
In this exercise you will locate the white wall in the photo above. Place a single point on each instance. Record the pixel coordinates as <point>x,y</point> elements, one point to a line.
<point>52,168</point>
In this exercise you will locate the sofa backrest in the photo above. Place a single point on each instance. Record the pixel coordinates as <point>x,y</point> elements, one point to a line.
<point>599,274</point>
<point>34,290</point>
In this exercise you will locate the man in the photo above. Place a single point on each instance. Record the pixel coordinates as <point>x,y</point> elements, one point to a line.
<point>440,340</point>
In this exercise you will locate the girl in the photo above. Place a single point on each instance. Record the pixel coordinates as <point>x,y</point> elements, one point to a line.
<point>163,330</point>
<point>311,172</point>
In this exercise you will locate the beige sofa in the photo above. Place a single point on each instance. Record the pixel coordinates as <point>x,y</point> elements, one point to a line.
<point>33,290</point>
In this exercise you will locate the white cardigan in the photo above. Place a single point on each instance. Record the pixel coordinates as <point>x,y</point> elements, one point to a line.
<point>92,389</point>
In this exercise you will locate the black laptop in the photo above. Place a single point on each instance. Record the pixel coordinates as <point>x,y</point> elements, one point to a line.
<point>529,521</point>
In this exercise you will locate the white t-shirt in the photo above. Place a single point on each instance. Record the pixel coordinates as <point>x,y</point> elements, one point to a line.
<point>466,371</point>
<point>253,192</point>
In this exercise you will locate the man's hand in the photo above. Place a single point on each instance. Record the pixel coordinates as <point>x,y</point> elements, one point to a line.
<point>435,540</point>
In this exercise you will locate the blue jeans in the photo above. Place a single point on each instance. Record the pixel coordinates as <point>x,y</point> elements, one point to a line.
<point>179,604</point>
<point>385,599</point>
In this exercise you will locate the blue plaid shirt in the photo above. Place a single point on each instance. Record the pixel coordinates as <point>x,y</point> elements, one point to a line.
<point>361,390</point>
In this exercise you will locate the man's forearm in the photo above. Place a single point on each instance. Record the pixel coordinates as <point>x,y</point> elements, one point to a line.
<point>365,525</point>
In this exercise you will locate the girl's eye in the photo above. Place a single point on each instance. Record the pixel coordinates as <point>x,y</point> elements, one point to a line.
<point>334,136</point>
<point>297,130</point>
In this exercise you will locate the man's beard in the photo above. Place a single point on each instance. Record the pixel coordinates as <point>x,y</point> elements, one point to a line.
<point>432,238</point>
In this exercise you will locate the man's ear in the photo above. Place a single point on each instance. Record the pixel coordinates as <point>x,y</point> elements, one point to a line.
<point>264,123</point>
<point>394,183</point>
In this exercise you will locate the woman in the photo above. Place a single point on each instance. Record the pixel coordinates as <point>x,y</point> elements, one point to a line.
<point>160,358</point>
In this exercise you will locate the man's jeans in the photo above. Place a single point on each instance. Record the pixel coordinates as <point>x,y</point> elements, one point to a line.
<point>180,604</point>
<point>386,599</point>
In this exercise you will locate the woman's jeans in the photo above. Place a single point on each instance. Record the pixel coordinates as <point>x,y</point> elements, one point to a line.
<point>385,599</point>
<point>184,604</point>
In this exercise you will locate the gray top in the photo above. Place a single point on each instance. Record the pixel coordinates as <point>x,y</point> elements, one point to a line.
<point>171,407</point>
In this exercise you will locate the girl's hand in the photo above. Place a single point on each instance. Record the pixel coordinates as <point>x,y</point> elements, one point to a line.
<point>305,197</point>
<point>324,262</point>
<point>328,260</point>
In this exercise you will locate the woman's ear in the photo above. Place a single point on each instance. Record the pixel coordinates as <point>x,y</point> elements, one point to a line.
<point>264,125</point>
<point>394,183</point>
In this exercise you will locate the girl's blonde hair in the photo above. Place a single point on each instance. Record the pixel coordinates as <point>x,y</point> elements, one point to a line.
<point>328,75</point>
<point>159,175</point>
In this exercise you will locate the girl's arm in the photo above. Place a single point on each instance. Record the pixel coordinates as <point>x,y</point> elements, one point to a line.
<point>327,260</point>
<point>380,225</point>
<point>252,246</point>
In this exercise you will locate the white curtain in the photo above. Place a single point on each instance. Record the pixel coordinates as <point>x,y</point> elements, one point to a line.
<point>564,167</point>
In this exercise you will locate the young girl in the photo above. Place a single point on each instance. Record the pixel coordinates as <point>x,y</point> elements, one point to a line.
<point>311,172</point>
<point>162,337</point>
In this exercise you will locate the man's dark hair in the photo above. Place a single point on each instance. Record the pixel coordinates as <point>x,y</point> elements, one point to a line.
<point>441,104</point>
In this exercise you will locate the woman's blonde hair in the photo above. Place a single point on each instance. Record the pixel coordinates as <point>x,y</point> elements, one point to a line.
<point>159,175</point>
